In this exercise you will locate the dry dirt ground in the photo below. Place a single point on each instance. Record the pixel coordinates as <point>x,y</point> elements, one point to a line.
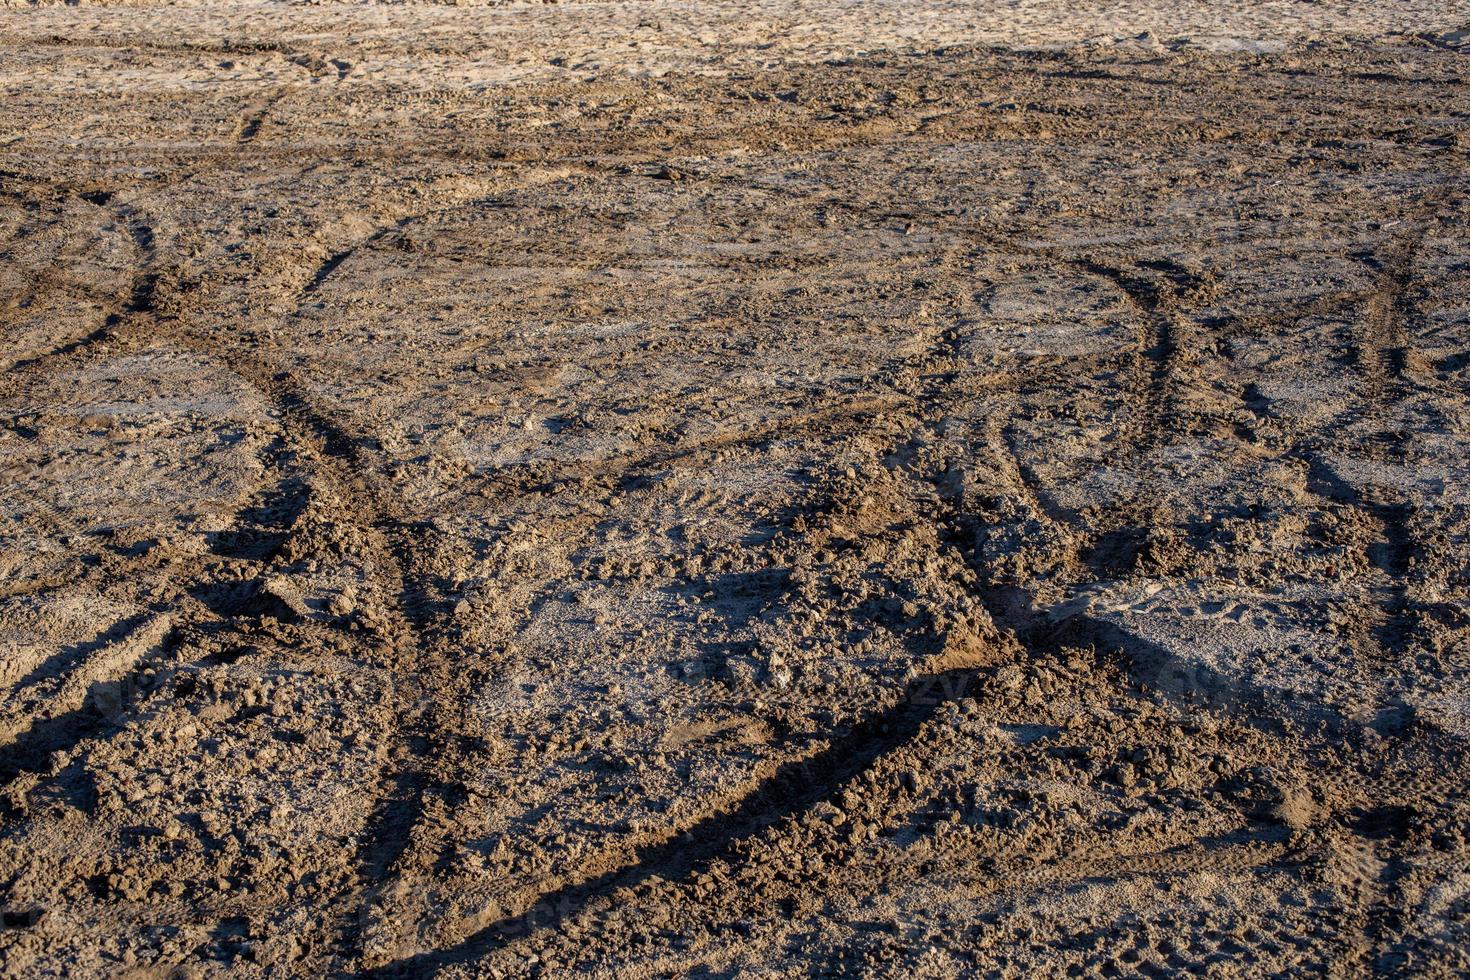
<point>662,489</point>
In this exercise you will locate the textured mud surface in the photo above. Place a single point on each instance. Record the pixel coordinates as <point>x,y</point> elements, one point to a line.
<point>701,490</point>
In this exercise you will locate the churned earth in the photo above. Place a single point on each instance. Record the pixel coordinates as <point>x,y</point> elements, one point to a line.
<point>653,489</point>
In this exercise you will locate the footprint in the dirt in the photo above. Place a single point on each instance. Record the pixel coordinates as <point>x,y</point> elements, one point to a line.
<point>1049,313</point>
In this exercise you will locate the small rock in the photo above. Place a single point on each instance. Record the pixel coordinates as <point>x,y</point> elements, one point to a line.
<point>342,604</point>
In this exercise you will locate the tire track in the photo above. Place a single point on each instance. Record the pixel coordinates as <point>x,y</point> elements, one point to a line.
<point>139,300</point>
<point>682,851</point>
<point>678,852</point>
<point>1158,352</point>
<point>1381,354</point>
<point>412,636</point>
<point>686,851</point>
<point>419,635</point>
<point>92,692</point>
<point>319,451</point>
<point>356,473</point>
<point>393,822</point>
<point>1381,349</point>
<point>412,632</point>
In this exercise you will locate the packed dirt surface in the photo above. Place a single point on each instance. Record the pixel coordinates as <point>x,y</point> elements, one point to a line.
<point>652,489</point>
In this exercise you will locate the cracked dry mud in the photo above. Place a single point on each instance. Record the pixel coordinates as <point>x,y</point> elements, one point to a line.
<point>651,489</point>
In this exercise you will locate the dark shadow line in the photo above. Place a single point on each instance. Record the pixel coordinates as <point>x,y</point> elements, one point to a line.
<point>78,651</point>
<point>794,788</point>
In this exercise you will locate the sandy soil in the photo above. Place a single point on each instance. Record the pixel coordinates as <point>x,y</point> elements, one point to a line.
<point>650,489</point>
